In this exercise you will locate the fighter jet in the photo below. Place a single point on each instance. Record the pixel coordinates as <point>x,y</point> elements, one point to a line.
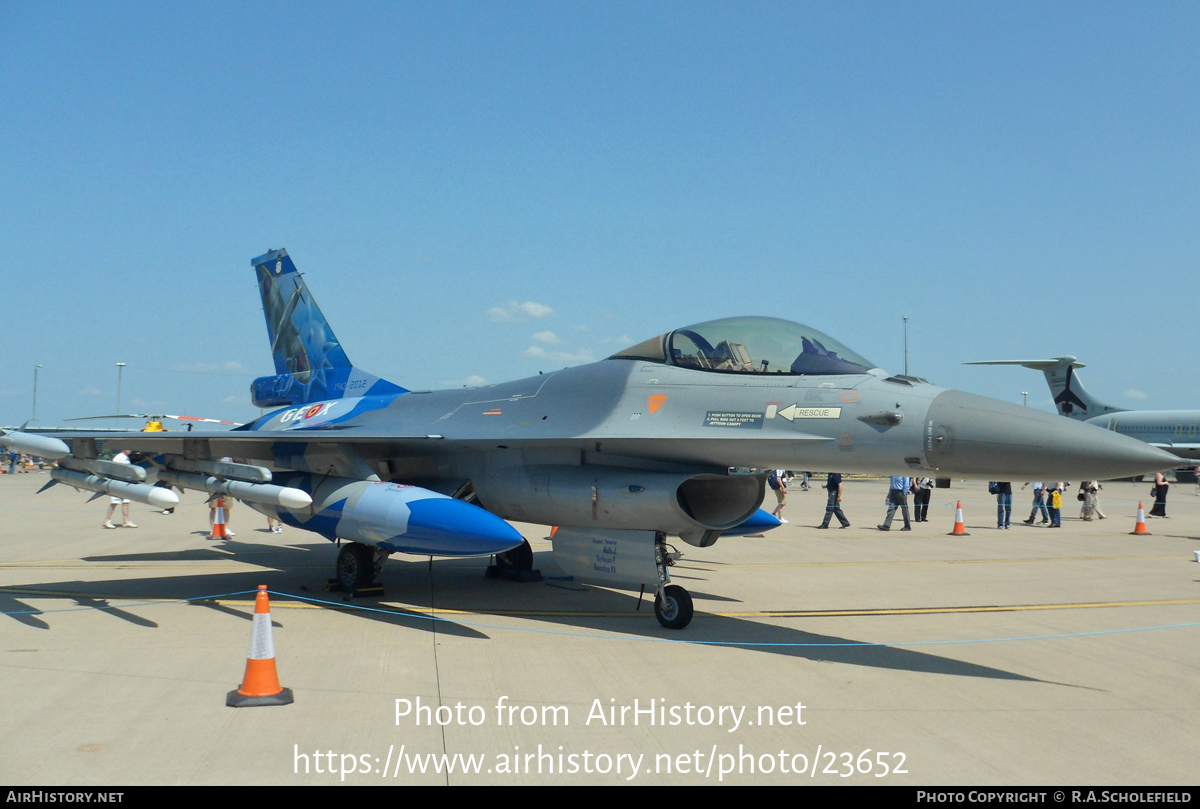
<point>1176,431</point>
<point>617,455</point>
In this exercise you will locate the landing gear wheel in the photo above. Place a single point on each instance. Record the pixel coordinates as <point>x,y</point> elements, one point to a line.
<point>519,558</point>
<point>355,566</point>
<point>673,608</point>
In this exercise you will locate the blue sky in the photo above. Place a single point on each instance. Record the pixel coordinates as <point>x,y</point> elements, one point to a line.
<point>479,191</point>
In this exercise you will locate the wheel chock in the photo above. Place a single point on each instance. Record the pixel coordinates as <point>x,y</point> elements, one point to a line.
<point>500,572</point>
<point>371,590</point>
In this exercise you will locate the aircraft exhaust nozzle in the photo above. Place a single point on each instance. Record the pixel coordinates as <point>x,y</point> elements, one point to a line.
<point>41,445</point>
<point>155,496</point>
<point>267,493</point>
<point>974,436</point>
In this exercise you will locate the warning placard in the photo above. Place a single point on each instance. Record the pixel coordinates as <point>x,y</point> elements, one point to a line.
<point>730,418</point>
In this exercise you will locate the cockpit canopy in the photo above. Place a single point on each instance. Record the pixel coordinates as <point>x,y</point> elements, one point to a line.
<point>750,345</point>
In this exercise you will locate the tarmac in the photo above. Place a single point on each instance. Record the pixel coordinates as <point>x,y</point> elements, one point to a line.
<point>1026,656</point>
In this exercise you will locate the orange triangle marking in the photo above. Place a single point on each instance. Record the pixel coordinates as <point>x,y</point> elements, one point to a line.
<point>656,402</point>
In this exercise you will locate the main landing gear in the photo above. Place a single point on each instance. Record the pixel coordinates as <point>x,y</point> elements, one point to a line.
<point>515,565</point>
<point>357,567</point>
<point>672,603</point>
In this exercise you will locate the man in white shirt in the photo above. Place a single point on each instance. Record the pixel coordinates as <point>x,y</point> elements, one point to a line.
<point>113,502</point>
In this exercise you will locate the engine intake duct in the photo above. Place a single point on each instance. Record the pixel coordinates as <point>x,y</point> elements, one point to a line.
<point>608,497</point>
<point>42,446</point>
<point>155,496</point>
<point>718,500</point>
<point>266,493</point>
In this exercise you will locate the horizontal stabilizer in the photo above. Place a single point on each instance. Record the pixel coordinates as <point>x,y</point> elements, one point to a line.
<point>1037,365</point>
<point>1069,395</point>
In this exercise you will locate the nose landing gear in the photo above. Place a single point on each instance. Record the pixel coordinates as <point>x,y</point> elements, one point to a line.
<point>672,603</point>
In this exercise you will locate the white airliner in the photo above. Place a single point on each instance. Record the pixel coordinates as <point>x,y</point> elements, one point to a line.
<point>1176,431</point>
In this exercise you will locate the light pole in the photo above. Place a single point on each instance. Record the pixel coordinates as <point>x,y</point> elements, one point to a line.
<point>35,376</point>
<point>906,345</point>
<point>1025,396</point>
<point>120,375</point>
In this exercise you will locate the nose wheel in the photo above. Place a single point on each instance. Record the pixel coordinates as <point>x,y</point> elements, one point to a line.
<point>673,607</point>
<point>672,603</point>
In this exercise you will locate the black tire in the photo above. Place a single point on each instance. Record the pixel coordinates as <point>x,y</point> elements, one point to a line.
<point>673,608</point>
<point>519,558</point>
<point>355,566</point>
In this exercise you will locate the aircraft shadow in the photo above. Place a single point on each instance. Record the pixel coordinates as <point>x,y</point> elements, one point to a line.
<point>285,569</point>
<point>219,550</point>
<point>21,612</point>
<point>458,587</point>
<point>412,586</point>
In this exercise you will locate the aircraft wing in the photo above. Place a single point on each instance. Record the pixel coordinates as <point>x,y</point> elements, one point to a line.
<point>357,453</point>
<point>1187,451</point>
<point>264,443</point>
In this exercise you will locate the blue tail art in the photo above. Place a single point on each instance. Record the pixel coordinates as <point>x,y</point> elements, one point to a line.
<point>310,364</point>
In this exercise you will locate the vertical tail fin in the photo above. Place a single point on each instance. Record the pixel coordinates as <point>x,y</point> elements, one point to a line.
<point>310,363</point>
<point>1069,394</point>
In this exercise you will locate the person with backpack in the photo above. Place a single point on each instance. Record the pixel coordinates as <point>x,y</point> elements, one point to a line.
<point>1003,491</point>
<point>1089,491</point>
<point>1054,502</point>
<point>777,480</point>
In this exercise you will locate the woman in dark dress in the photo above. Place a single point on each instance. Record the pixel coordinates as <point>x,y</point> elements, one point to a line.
<point>1160,496</point>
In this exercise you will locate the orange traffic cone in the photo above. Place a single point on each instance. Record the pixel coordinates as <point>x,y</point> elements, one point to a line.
<point>260,684</point>
<point>218,528</point>
<point>1140,527</point>
<point>960,530</point>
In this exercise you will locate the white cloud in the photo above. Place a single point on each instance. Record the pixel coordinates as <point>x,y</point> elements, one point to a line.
<point>581,327</point>
<point>90,391</point>
<point>1134,394</point>
<point>537,352</point>
<point>547,337</point>
<point>234,399</point>
<point>474,381</point>
<point>514,311</point>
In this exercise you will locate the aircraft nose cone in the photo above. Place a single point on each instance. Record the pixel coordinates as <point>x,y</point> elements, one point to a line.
<point>980,437</point>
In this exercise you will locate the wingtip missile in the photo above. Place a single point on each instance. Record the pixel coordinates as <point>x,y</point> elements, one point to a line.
<point>41,445</point>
